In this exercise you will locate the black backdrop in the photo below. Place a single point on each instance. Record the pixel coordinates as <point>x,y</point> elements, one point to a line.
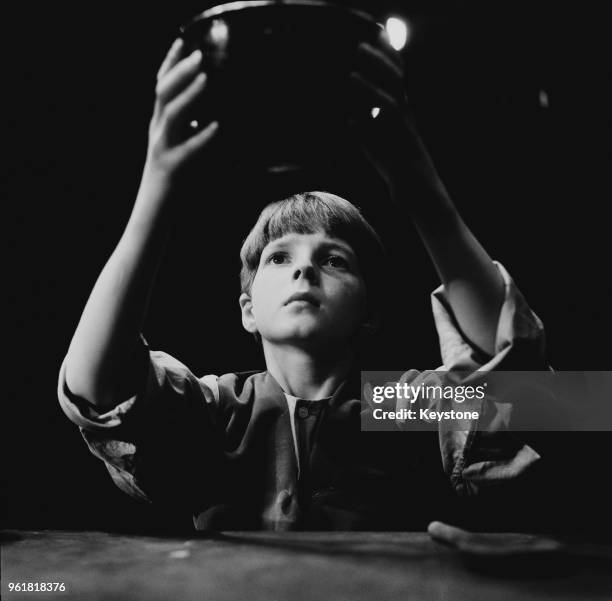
<point>512,102</point>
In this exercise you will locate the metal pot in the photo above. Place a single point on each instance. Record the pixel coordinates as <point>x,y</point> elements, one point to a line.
<point>279,79</point>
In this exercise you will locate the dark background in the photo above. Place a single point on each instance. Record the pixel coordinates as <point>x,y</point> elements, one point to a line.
<point>531,178</point>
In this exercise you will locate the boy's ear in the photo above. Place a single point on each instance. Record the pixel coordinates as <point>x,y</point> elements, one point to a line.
<point>248,319</point>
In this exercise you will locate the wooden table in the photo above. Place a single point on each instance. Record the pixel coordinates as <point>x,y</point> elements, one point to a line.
<point>241,566</point>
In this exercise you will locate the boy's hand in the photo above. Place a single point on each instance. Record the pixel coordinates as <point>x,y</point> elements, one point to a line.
<point>172,142</point>
<point>390,140</point>
<point>491,545</point>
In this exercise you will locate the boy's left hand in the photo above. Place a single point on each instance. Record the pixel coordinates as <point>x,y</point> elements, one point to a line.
<point>390,140</point>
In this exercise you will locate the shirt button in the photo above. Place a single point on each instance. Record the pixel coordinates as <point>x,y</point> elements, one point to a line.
<point>302,412</point>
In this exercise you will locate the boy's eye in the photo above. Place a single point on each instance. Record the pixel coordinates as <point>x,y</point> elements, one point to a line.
<point>337,262</point>
<point>277,258</point>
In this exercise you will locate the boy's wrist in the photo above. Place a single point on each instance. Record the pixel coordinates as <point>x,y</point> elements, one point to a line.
<point>153,200</point>
<point>155,176</point>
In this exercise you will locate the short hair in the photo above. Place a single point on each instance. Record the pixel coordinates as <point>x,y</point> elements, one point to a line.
<point>308,213</point>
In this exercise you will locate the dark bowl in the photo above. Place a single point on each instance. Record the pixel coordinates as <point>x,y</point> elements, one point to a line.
<point>279,79</point>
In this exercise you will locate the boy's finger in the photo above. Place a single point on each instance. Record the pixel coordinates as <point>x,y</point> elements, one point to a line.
<point>178,78</point>
<point>201,139</point>
<point>173,56</point>
<point>373,93</point>
<point>176,109</point>
<point>378,67</point>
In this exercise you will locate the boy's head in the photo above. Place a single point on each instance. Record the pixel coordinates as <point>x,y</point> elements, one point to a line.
<point>310,274</point>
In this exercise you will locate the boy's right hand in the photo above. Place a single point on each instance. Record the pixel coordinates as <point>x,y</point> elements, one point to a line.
<point>172,142</point>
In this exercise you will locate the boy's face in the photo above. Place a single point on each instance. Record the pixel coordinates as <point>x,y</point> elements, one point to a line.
<point>307,291</point>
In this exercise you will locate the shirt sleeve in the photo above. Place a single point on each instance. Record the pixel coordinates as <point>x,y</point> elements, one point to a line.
<point>162,443</point>
<point>486,453</point>
<point>519,338</point>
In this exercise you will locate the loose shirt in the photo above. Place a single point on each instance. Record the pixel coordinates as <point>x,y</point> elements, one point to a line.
<point>230,450</point>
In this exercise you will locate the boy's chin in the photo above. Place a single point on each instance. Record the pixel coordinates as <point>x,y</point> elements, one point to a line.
<point>310,338</point>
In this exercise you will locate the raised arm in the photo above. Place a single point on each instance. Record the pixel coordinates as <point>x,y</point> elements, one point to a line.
<point>103,352</point>
<point>474,288</point>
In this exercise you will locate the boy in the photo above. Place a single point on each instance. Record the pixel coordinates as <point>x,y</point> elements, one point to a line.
<point>282,449</point>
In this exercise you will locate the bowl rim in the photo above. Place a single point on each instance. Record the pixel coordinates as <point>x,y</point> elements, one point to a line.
<point>231,7</point>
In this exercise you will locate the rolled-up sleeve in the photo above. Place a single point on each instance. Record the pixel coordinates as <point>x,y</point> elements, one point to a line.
<point>519,338</point>
<point>486,453</point>
<point>162,443</point>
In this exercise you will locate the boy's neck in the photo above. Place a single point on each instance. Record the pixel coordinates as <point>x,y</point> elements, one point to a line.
<point>303,375</point>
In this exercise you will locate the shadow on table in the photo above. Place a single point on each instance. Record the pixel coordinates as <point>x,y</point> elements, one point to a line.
<point>575,566</point>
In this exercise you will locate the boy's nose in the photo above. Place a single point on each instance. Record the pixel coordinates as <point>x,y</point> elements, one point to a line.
<point>307,272</point>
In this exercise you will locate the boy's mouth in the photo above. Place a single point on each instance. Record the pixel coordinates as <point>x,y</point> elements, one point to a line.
<point>303,296</point>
